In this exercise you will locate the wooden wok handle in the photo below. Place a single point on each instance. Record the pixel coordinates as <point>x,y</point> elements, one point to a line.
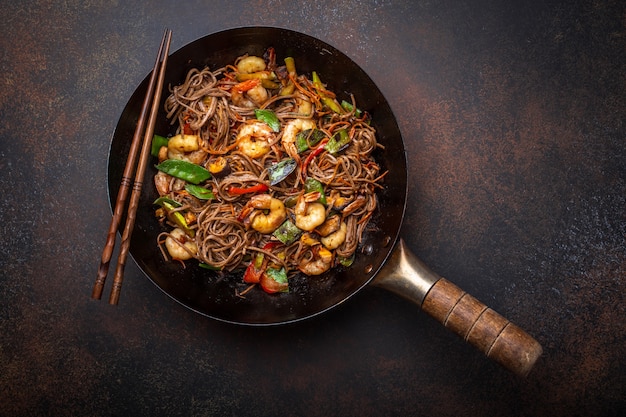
<point>480,326</point>
<point>504,342</point>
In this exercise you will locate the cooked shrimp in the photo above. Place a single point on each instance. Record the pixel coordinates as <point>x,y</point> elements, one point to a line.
<point>253,214</point>
<point>309,215</point>
<point>195,157</point>
<point>251,64</point>
<point>335,239</point>
<point>163,153</point>
<point>185,147</point>
<point>162,183</point>
<point>292,128</point>
<point>249,94</point>
<point>180,246</point>
<point>254,139</point>
<point>320,262</point>
<point>183,143</point>
<point>165,183</point>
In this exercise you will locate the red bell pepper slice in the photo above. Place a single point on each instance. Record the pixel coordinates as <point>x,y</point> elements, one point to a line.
<point>259,188</point>
<point>252,274</point>
<point>258,265</point>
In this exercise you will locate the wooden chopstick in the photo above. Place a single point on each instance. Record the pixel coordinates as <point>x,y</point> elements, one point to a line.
<point>151,101</point>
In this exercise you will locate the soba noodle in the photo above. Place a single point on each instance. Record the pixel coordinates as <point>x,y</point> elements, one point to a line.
<point>211,111</point>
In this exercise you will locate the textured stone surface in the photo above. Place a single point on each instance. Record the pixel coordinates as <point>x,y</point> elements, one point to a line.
<point>513,121</point>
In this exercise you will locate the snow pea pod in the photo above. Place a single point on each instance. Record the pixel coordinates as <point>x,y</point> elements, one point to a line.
<point>184,170</point>
<point>269,118</point>
<point>325,95</point>
<point>199,192</point>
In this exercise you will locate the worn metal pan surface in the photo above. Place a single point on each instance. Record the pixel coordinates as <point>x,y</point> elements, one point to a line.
<point>383,259</point>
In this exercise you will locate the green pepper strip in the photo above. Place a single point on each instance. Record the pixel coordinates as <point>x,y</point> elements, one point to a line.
<point>338,142</point>
<point>184,170</point>
<point>312,185</point>
<point>287,232</point>
<point>308,138</point>
<point>281,170</point>
<point>347,106</point>
<point>158,142</point>
<point>327,100</point>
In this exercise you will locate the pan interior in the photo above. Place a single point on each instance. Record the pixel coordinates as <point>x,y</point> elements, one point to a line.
<point>213,293</point>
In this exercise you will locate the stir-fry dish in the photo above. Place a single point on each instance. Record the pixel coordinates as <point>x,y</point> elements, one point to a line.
<point>269,173</point>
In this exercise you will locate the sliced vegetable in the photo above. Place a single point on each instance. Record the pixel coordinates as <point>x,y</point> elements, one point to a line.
<point>326,99</point>
<point>199,192</point>
<point>161,200</point>
<point>286,74</point>
<point>346,261</point>
<point>287,232</point>
<point>281,170</point>
<point>184,170</point>
<point>347,106</point>
<point>175,216</point>
<point>219,167</point>
<point>290,64</point>
<point>209,267</point>
<point>253,274</point>
<point>268,117</point>
<point>257,265</point>
<point>288,89</point>
<point>308,138</point>
<point>312,185</point>
<point>158,142</point>
<point>259,188</point>
<point>338,142</point>
<point>274,280</point>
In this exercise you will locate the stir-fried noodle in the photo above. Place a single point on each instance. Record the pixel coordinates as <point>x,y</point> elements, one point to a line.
<point>325,193</point>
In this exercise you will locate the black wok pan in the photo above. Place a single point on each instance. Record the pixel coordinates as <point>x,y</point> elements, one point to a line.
<point>382,254</point>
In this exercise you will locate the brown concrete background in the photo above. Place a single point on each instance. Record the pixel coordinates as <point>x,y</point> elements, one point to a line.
<point>513,120</point>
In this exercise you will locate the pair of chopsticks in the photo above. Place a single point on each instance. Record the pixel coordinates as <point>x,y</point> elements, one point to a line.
<point>151,102</point>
